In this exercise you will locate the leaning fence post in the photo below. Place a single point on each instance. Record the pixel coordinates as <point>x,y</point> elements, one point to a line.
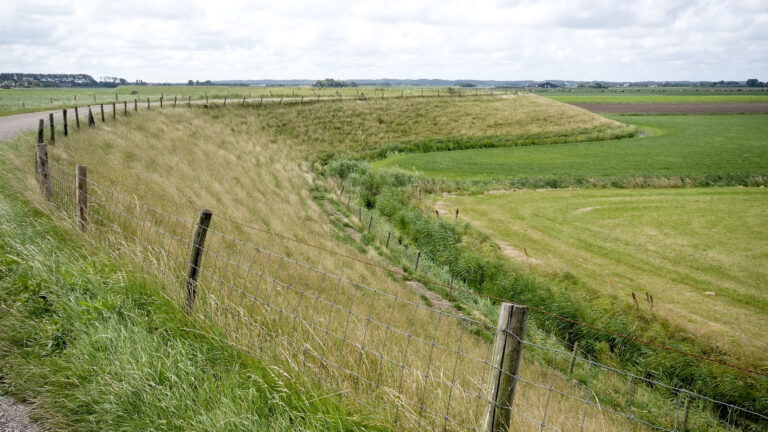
<point>53,133</point>
<point>507,353</point>
<point>66,126</point>
<point>102,112</point>
<point>42,164</point>
<point>77,118</point>
<point>197,254</point>
<point>82,197</point>
<point>91,121</point>
<point>389,235</point>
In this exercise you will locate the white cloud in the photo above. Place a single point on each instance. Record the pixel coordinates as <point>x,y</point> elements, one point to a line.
<point>485,39</point>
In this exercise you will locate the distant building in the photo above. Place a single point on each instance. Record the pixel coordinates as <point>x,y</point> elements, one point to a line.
<point>547,85</point>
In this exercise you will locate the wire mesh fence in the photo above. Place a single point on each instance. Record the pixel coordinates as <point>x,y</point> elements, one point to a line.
<point>418,366</point>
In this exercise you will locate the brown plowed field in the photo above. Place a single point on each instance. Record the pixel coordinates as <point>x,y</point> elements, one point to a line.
<point>678,108</point>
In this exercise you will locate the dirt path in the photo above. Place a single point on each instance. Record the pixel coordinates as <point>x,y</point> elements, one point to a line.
<point>14,417</point>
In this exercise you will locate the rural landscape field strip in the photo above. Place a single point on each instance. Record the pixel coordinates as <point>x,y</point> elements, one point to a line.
<point>677,146</point>
<point>677,108</point>
<point>674,244</point>
<point>280,151</point>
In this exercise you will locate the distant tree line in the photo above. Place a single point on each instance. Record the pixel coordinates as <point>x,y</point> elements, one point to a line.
<point>330,82</point>
<point>21,80</point>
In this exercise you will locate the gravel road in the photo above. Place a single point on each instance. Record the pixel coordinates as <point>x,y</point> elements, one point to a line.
<point>15,417</point>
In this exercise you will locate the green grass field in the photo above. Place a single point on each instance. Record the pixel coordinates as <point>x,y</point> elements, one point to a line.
<point>656,95</point>
<point>698,251</point>
<point>677,146</point>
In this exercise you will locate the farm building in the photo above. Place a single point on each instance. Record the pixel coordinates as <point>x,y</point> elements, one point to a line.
<point>547,85</point>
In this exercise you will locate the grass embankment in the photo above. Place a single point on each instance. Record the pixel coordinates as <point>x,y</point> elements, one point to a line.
<point>699,252</point>
<point>16,101</point>
<point>705,149</point>
<point>240,164</point>
<point>94,345</point>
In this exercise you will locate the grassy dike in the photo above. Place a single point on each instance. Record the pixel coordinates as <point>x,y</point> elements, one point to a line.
<point>92,345</point>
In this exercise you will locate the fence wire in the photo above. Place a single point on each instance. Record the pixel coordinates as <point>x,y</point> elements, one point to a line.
<point>421,367</point>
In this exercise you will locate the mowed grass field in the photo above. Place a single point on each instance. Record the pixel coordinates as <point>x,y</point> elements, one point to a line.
<point>700,252</point>
<point>680,146</point>
<point>657,95</point>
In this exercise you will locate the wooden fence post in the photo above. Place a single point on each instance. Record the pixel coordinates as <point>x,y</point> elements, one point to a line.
<point>125,107</point>
<point>174,101</point>
<point>40,140</point>
<point>507,353</point>
<point>418,257</point>
<point>91,121</point>
<point>225,101</point>
<point>243,102</point>
<point>190,101</point>
<point>135,104</point>
<point>389,235</point>
<point>114,111</point>
<point>148,104</point>
<point>82,197</point>
<point>573,357</point>
<point>102,112</point>
<point>42,164</point>
<point>77,118</point>
<point>686,407</point>
<point>161,102</point>
<point>53,133</point>
<point>66,126</point>
<point>197,254</point>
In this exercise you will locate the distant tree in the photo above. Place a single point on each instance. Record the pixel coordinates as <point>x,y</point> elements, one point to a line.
<point>466,84</point>
<point>190,83</point>
<point>753,82</point>
<point>332,83</point>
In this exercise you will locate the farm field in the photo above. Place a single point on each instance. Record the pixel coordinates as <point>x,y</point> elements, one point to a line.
<point>699,252</point>
<point>675,146</point>
<point>667,95</point>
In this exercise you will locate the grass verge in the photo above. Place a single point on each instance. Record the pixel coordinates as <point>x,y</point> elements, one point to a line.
<point>94,346</point>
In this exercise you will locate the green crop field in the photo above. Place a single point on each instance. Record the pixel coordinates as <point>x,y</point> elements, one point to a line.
<point>699,251</point>
<point>706,145</point>
<point>656,95</point>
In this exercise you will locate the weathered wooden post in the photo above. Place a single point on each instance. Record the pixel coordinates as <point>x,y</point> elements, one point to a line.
<point>53,132</point>
<point>135,104</point>
<point>161,102</point>
<point>198,243</point>
<point>505,364</point>
<point>114,111</point>
<point>102,112</point>
<point>418,257</point>
<point>82,197</point>
<point>91,121</point>
<point>573,357</point>
<point>94,97</point>
<point>125,107</point>
<point>40,140</point>
<point>370,222</point>
<point>389,235</point>
<point>174,101</point>
<point>41,131</point>
<point>243,102</point>
<point>206,98</point>
<point>148,104</point>
<point>261,100</point>
<point>686,407</point>
<point>225,101</point>
<point>42,165</point>
<point>66,126</point>
<point>77,118</point>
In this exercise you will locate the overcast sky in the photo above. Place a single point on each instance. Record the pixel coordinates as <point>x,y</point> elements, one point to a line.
<point>482,39</point>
